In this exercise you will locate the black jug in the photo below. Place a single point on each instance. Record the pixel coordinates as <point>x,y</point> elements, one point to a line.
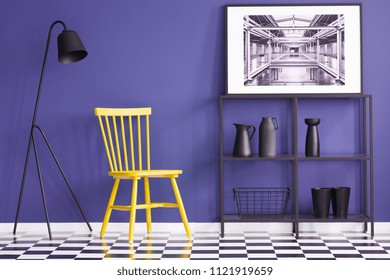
<point>312,147</point>
<point>242,145</point>
<point>267,137</point>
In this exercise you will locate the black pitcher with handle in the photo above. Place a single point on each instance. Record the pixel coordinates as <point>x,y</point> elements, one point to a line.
<point>242,143</point>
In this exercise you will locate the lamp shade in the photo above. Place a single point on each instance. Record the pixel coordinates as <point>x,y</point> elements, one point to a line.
<point>70,47</point>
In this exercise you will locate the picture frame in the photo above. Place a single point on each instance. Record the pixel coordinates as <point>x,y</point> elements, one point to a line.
<point>291,49</point>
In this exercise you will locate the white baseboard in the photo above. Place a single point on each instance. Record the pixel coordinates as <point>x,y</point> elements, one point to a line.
<point>380,227</point>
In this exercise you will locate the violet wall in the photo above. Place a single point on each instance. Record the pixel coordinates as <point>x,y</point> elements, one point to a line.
<point>168,55</point>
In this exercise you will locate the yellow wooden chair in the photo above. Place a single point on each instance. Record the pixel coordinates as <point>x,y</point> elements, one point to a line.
<point>116,125</point>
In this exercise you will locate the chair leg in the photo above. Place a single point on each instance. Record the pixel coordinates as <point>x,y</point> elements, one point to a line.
<point>147,201</point>
<point>181,207</point>
<point>109,205</point>
<point>133,209</point>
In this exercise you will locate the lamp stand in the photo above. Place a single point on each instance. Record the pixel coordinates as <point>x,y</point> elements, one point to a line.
<point>32,142</point>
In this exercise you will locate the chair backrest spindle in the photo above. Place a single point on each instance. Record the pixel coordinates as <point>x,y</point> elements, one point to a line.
<point>119,143</point>
<point>118,150</point>
<point>124,143</point>
<point>113,157</point>
<point>147,142</point>
<point>139,142</point>
<point>131,142</point>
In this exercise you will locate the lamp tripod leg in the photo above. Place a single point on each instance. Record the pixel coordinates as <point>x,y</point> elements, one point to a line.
<point>41,185</point>
<point>63,175</point>
<point>23,179</point>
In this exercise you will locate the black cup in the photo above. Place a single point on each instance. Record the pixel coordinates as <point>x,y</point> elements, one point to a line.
<point>321,201</point>
<point>340,201</point>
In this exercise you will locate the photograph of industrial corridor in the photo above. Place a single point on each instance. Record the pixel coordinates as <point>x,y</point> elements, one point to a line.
<point>298,50</point>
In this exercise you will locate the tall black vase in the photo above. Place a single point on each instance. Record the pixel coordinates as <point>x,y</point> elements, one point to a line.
<point>312,147</point>
<point>340,201</point>
<point>321,201</point>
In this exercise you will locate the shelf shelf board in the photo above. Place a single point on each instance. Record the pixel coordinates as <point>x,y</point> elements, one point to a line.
<point>336,157</point>
<point>289,218</point>
<point>270,218</point>
<point>301,157</point>
<point>352,218</point>
<point>277,157</point>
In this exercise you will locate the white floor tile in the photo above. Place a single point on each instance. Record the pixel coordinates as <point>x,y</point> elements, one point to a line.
<point>66,252</point>
<point>262,256</point>
<point>178,252</point>
<point>33,257</point>
<point>319,256</point>
<point>270,247</point>
<point>376,256</point>
<point>227,252</point>
<point>290,251</point>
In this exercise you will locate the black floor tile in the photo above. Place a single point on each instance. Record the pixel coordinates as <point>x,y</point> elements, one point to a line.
<point>316,252</point>
<point>261,251</point>
<point>233,255</point>
<point>176,256</point>
<point>121,256</point>
<point>205,252</point>
<point>287,247</point>
<point>149,251</point>
<point>290,255</point>
<point>312,244</point>
<point>348,256</point>
<point>61,257</point>
<point>9,257</point>
<point>341,248</point>
<point>37,252</point>
<point>373,252</point>
<point>259,244</point>
<point>320,259</point>
<point>66,248</point>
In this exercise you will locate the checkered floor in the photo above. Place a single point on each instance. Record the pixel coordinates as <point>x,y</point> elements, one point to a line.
<point>203,245</point>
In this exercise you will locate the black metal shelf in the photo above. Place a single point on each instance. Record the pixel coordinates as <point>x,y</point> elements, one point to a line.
<point>300,157</point>
<point>336,157</point>
<point>364,156</point>
<point>278,157</point>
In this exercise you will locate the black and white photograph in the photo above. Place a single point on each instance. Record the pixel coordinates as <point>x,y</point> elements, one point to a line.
<point>293,49</point>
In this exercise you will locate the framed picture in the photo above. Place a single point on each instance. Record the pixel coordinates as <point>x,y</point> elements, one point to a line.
<point>282,49</point>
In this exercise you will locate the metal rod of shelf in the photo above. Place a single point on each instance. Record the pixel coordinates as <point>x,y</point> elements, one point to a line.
<point>365,209</point>
<point>294,120</point>
<point>371,167</point>
<point>221,169</point>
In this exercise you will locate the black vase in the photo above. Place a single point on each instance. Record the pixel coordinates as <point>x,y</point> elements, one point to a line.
<point>340,201</point>
<point>267,137</point>
<point>312,147</point>
<point>321,201</point>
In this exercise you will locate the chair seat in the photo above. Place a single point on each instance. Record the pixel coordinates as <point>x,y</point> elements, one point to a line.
<point>145,173</point>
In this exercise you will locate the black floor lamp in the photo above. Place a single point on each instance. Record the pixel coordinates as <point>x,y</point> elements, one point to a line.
<point>70,49</point>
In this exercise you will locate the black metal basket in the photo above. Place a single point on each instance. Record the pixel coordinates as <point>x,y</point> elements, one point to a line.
<point>252,202</point>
